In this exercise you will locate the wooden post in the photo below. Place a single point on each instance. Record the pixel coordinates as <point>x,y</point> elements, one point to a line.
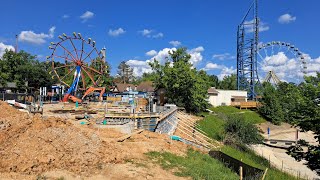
<point>264,174</point>
<point>241,173</point>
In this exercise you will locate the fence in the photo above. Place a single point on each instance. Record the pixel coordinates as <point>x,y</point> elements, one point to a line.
<point>285,163</point>
<point>248,171</point>
<point>21,98</point>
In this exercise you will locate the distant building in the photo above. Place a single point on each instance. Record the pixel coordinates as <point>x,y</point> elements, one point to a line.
<point>143,87</point>
<point>219,97</point>
<point>11,87</point>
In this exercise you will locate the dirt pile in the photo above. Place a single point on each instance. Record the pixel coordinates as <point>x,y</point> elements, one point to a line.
<point>34,145</point>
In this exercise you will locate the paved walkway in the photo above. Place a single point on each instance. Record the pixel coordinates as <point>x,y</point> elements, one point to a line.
<point>278,157</point>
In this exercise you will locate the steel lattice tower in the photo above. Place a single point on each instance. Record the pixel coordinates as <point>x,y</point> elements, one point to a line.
<point>247,47</point>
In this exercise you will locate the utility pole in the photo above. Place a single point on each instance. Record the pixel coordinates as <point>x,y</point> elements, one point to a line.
<point>16,49</point>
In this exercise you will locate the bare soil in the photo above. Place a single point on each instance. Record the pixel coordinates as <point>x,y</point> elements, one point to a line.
<point>33,147</point>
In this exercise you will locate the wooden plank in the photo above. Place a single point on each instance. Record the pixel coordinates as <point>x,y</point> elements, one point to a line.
<point>121,139</point>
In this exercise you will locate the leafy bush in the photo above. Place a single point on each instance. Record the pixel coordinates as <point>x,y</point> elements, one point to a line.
<point>312,156</point>
<point>239,131</point>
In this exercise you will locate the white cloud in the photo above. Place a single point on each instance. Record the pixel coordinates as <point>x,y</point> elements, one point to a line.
<point>288,69</point>
<point>65,16</point>
<point>175,43</point>
<point>116,32</point>
<point>86,16</point>
<point>196,55</point>
<point>223,56</point>
<point>226,71</point>
<point>141,66</point>
<point>34,38</point>
<point>151,33</point>
<point>146,32</point>
<point>277,59</point>
<point>211,66</point>
<point>249,26</point>
<point>151,53</point>
<point>286,19</point>
<point>159,35</point>
<point>3,47</point>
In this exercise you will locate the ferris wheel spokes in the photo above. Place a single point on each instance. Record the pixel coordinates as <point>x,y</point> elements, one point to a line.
<point>282,62</point>
<point>77,64</point>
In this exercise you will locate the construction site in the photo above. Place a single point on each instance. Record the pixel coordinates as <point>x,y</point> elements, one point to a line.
<point>84,127</point>
<point>87,132</point>
<point>97,144</point>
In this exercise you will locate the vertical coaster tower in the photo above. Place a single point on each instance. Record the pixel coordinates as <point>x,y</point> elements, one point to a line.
<point>247,46</point>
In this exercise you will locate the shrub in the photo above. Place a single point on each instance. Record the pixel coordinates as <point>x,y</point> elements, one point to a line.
<point>239,131</point>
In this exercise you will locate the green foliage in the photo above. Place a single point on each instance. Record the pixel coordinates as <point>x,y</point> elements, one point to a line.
<point>271,105</point>
<point>211,80</point>
<point>298,105</point>
<point>185,86</point>
<point>249,157</point>
<point>194,164</point>
<point>253,117</point>
<point>226,110</point>
<point>125,72</point>
<point>239,131</point>
<point>22,67</point>
<point>103,80</point>
<point>228,82</point>
<point>312,156</point>
<point>213,126</point>
<point>248,115</point>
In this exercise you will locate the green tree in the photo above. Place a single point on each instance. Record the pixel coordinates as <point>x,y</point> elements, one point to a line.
<point>211,80</point>
<point>228,82</point>
<point>184,85</point>
<point>125,72</point>
<point>23,67</point>
<point>271,107</point>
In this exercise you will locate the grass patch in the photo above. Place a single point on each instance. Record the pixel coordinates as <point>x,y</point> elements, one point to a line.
<point>213,126</point>
<point>195,165</point>
<point>250,158</point>
<point>225,109</point>
<point>249,115</point>
<point>253,117</point>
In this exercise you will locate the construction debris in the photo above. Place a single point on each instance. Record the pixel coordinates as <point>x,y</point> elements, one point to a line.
<point>33,145</point>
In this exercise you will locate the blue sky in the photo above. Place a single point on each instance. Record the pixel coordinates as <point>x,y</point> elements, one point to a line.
<point>206,28</point>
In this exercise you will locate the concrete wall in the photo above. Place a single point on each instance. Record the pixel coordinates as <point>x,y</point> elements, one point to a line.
<point>224,97</point>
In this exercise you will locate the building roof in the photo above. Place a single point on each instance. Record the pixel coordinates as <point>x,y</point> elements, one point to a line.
<point>120,87</point>
<point>146,86</point>
<point>212,90</point>
<point>9,85</point>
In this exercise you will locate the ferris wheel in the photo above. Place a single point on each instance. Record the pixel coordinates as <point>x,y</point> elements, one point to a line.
<point>280,61</point>
<point>77,64</point>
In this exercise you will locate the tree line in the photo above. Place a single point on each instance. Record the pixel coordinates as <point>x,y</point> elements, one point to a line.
<point>298,105</point>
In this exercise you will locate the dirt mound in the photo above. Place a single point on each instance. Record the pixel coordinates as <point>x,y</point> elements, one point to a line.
<point>34,145</point>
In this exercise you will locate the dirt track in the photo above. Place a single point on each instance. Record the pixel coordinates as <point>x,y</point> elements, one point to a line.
<point>33,146</point>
